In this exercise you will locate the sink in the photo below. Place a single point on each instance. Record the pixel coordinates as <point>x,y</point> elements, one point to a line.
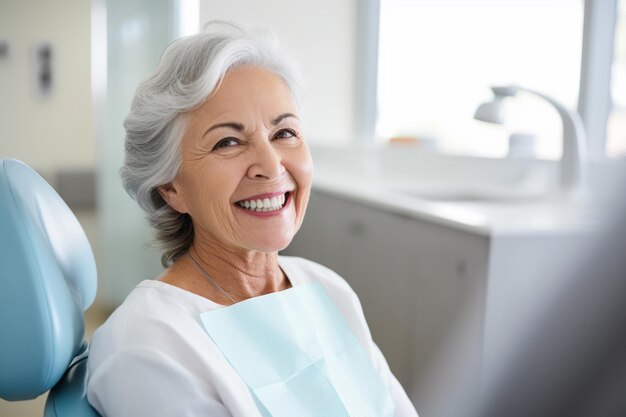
<point>412,175</point>
<point>473,194</point>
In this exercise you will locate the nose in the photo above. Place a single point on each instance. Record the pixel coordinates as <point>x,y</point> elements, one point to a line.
<point>266,162</point>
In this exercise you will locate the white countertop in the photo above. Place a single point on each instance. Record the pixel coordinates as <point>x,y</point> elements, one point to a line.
<point>533,213</point>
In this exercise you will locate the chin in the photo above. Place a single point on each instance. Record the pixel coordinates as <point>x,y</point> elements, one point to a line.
<point>273,245</point>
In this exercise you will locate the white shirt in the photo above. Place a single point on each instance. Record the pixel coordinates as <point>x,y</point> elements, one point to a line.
<point>154,358</point>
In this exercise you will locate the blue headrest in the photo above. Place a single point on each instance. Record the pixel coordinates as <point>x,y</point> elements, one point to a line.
<point>47,279</point>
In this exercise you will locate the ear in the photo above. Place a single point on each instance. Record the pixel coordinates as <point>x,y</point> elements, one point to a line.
<point>173,196</point>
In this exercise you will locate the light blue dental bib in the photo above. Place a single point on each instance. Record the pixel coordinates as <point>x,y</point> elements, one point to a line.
<point>298,356</point>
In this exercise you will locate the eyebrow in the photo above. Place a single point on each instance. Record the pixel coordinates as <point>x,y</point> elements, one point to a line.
<point>236,126</point>
<point>283,116</point>
<point>240,128</point>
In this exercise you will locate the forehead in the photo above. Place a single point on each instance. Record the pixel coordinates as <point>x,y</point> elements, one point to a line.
<point>249,89</point>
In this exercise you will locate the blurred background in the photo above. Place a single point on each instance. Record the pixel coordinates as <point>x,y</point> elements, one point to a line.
<point>446,226</point>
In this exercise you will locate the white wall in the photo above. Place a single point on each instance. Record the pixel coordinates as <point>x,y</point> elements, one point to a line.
<point>52,133</point>
<point>322,35</point>
<point>56,131</point>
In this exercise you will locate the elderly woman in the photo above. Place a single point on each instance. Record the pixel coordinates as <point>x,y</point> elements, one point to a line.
<point>216,156</point>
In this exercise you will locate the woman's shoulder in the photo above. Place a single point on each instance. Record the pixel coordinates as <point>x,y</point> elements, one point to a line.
<point>153,314</point>
<point>155,340</point>
<point>156,301</point>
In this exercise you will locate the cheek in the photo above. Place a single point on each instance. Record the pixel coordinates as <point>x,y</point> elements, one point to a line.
<point>207,189</point>
<point>302,172</point>
<point>302,168</point>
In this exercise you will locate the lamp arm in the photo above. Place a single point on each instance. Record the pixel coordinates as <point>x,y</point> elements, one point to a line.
<point>572,169</point>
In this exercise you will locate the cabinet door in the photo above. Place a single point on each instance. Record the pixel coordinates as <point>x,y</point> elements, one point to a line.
<point>377,264</point>
<point>448,271</point>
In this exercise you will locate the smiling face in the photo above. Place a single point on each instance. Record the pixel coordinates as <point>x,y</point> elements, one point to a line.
<point>246,170</point>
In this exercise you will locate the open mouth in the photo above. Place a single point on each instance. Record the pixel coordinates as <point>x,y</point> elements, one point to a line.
<point>265,204</point>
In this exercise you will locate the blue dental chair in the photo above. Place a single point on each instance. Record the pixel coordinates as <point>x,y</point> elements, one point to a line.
<point>47,280</point>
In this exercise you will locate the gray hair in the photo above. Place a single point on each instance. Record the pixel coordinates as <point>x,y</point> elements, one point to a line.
<point>190,70</point>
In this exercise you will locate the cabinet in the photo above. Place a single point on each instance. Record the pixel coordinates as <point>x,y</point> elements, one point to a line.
<point>443,304</point>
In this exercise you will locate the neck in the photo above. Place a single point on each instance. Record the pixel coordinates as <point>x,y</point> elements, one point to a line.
<point>241,274</point>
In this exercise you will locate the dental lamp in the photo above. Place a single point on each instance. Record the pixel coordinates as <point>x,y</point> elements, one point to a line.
<point>571,173</point>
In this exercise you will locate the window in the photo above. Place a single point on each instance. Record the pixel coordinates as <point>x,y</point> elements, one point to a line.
<point>438,58</point>
<point>616,129</point>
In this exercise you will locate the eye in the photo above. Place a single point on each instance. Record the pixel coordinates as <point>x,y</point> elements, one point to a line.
<point>286,134</point>
<point>226,143</point>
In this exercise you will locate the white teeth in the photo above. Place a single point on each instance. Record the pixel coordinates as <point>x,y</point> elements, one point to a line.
<point>267,204</point>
